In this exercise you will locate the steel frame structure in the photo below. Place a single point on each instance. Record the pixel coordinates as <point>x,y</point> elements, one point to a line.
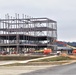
<point>27,32</point>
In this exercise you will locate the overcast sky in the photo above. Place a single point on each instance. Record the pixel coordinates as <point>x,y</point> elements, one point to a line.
<point>63,11</point>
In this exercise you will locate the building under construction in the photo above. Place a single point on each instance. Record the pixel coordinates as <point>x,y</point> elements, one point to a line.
<point>25,33</point>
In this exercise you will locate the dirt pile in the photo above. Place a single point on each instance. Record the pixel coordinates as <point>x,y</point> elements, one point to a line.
<point>64,54</point>
<point>72,56</point>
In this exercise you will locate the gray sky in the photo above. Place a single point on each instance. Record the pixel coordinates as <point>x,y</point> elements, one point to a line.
<point>63,11</point>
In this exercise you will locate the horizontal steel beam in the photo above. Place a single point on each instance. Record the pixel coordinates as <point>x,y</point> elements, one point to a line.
<point>27,29</point>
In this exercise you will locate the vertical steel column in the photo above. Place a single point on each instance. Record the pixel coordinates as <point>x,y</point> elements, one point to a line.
<point>34,34</point>
<point>55,35</point>
<point>56,30</point>
<point>3,31</point>
<point>26,38</point>
<point>23,31</point>
<point>8,31</point>
<point>0,37</point>
<point>29,31</point>
<point>47,32</point>
<point>52,36</point>
<point>17,36</point>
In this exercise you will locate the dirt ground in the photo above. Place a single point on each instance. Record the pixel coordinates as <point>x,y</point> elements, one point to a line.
<point>17,70</point>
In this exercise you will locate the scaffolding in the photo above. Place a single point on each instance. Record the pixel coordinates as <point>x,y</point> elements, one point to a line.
<point>21,33</point>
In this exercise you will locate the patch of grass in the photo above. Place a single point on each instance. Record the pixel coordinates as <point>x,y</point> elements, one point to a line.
<point>37,63</point>
<point>59,58</point>
<point>4,58</point>
<point>49,61</point>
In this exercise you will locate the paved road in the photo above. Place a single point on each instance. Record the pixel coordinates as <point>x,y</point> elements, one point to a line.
<point>57,70</point>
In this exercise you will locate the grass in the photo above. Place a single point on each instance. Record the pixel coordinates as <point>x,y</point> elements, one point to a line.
<point>37,63</point>
<point>59,58</point>
<point>49,61</point>
<point>6,58</point>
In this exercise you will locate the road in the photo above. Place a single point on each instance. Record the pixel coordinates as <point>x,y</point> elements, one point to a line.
<point>69,69</point>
